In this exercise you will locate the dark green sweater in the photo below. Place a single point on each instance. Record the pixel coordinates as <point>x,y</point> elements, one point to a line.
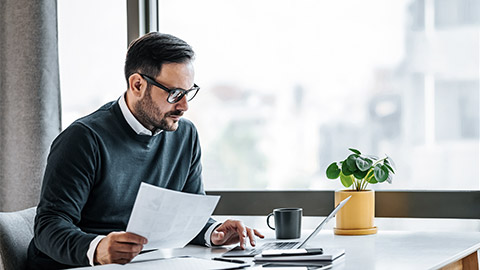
<point>93,174</point>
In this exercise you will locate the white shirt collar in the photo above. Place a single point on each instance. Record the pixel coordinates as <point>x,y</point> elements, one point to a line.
<point>132,121</point>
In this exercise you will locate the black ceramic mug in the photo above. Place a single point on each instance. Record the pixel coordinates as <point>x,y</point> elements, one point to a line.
<point>288,222</point>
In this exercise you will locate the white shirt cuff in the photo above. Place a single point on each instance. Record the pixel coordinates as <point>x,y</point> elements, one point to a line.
<point>92,248</point>
<point>208,233</point>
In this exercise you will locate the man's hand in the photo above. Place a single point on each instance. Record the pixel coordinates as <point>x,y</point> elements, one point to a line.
<point>119,247</point>
<point>233,231</point>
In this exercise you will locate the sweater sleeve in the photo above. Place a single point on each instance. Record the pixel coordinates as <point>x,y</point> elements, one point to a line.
<point>194,184</point>
<point>67,181</point>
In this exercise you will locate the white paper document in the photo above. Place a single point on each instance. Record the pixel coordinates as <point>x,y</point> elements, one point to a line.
<point>167,218</point>
<point>183,263</point>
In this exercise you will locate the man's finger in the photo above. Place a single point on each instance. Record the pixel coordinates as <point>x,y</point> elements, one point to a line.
<point>259,234</point>
<point>251,236</point>
<point>127,237</point>
<point>218,237</point>
<point>241,233</point>
<point>127,247</point>
<point>123,256</point>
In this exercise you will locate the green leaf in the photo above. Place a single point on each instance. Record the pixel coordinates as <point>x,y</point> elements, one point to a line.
<point>381,172</point>
<point>390,162</point>
<point>355,151</point>
<point>347,180</point>
<point>351,162</point>
<point>389,178</point>
<point>370,178</point>
<point>333,171</point>
<point>369,174</point>
<point>389,168</point>
<point>345,170</point>
<point>363,164</point>
<point>359,174</point>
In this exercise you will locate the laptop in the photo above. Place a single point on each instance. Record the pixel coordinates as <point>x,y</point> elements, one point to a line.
<point>250,252</point>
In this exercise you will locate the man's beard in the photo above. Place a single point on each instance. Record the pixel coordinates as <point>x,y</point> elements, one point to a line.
<point>149,115</point>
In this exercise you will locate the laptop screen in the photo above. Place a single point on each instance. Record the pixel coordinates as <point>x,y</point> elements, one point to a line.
<point>325,221</point>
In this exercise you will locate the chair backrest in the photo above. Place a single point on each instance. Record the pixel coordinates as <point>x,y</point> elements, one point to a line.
<point>16,232</point>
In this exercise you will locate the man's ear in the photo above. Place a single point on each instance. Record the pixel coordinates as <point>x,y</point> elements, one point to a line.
<point>136,84</point>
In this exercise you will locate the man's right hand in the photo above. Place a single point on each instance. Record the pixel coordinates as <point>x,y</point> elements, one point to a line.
<point>119,247</point>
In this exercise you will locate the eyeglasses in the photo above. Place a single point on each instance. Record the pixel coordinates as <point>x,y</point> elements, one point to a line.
<point>174,94</point>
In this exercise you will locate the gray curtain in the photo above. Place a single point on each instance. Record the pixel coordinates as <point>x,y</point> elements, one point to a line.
<point>29,98</point>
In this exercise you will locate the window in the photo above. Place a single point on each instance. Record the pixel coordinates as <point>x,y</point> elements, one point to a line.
<point>456,13</point>
<point>92,41</point>
<point>288,86</point>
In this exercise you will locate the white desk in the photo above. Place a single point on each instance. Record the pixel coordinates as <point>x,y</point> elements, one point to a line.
<point>399,244</point>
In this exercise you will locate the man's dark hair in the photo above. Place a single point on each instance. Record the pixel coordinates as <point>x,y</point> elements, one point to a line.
<point>148,53</point>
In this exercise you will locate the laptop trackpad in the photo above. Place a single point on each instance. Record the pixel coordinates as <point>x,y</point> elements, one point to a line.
<point>238,252</point>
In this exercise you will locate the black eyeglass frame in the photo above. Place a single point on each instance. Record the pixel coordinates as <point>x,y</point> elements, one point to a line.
<point>171,98</point>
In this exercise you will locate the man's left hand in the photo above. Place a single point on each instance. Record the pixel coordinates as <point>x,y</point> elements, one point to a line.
<point>233,231</point>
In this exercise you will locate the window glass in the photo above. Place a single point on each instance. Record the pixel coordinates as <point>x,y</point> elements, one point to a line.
<point>92,41</point>
<point>289,85</point>
<point>450,13</point>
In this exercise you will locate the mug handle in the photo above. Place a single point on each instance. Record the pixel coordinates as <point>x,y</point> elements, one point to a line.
<point>268,221</point>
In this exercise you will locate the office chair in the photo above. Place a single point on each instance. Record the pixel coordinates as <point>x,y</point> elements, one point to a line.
<point>16,232</point>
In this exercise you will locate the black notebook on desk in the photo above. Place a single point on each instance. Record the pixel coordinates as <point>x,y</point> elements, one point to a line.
<point>250,252</point>
<point>328,255</point>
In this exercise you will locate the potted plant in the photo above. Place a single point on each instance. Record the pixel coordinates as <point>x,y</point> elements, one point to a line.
<point>357,171</point>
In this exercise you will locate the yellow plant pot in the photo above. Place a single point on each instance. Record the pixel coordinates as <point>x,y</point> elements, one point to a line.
<point>357,216</point>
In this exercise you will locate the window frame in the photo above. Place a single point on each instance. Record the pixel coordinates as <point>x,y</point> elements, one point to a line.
<point>396,204</point>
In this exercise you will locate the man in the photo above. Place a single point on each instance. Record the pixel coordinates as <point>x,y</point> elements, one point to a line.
<point>96,165</point>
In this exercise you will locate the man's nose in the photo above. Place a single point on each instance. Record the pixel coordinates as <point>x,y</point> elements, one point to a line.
<point>182,104</point>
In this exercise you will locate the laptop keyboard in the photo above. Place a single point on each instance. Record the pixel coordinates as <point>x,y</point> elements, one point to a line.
<point>237,251</point>
<point>278,245</point>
